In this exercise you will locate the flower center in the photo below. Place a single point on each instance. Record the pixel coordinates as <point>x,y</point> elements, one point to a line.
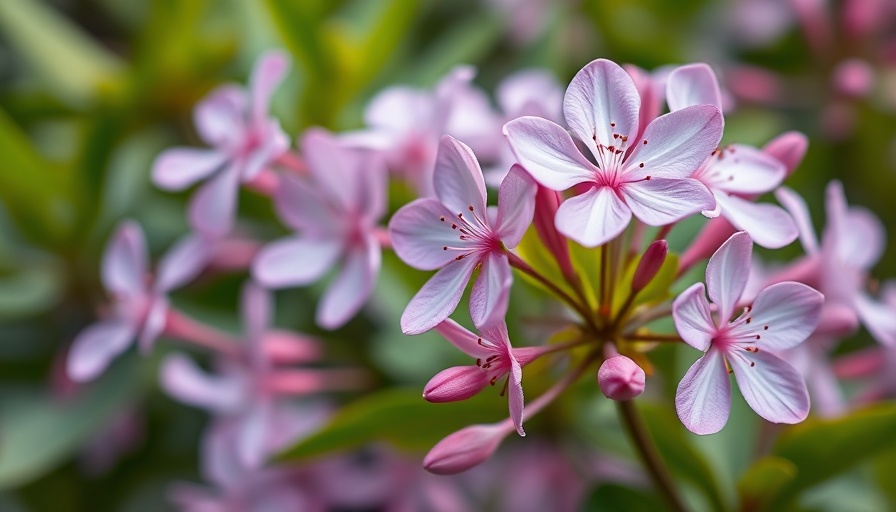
<point>473,233</point>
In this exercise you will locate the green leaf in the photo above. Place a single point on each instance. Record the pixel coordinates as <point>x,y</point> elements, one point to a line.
<point>884,468</point>
<point>29,292</point>
<point>65,57</point>
<point>38,432</point>
<point>536,254</point>
<point>823,448</point>
<point>614,497</point>
<point>762,481</point>
<point>399,416</point>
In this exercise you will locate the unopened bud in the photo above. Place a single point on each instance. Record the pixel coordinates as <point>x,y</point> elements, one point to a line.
<point>468,447</point>
<point>854,78</point>
<point>650,264</point>
<point>620,378</point>
<point>789,148</point>
<point>455,383</point>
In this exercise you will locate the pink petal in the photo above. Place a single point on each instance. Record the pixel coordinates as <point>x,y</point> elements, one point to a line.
<point>154,324</point>
<point>181,378</point>
<point>855,235</point>
<point>677,144</point>
<point>727,273</point>
<point>789,148</point>
<point>768,225</point>
<point>295,261</point>
<point>212,208</point>
<point>743,170</point>
<point>879,318</point>
<point>800,214</point>
<point>400,109</point>
<point>601,101</point>
<point>620,378</point>
<point>256,309</point>
<point>458,178</point>
<point>419,236</point>
<point>178,168</point>
<point>660,201</point>
<point>464,449</point>
<point>516,206</point>
<point>124,267</point>
<point>532,92</point>
<point>463,339</point>
<point>515,396</point>
<point>352,287</point>
<point>455,383</point>
<point>772,387</point>
<point>220,117</point>
<point>651,92</point>
<point>693,320</point>
<point>333,166</point>
<point>439,296</point>
<point>791,312</point>
<point>252,434</point>
<point>96,346</point>
<point>693,84</point>
<point>267,75</point>
<point>303,207</point>
<point>548,153</point>
<point>593,218</point>
<point>373,187</point>
<point>274,142</point>
<point>703,399</point>
<point>491,292</point>
<point>183,262</point>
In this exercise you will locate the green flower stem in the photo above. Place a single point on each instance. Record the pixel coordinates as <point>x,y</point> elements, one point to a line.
<point>517,263</point>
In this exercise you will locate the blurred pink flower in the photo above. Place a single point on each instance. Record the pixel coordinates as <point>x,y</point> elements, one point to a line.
<point>782,316</point>
<point>648,177</point>
<point>335,215</point>
<point>244,137</point>
<point>139,304</point>
<point>457,234</point>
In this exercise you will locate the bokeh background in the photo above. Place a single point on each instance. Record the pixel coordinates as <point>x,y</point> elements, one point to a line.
<point>92,90</point>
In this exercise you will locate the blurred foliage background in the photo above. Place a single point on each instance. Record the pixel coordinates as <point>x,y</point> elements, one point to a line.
<point>92,90</point>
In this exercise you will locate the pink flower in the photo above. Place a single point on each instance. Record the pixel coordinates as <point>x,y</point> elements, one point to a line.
<point>735,173</point>
<point>457,234</point>
<point>335,214</point>
<point>245,139</point>
<point>495,358</point>
<point>781,317</point>
<point>140,307</point>
<point>620,378</point>
<point>464,449</point>
<point>648,177</point>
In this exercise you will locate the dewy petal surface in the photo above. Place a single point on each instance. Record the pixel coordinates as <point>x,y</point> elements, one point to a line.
<point>516,206</point>
<point>727,273</point>
<point>96,346</point>
<point>295,261</point>
<point>178,168</point>
<point>692,84</point>
<point>491,291</point>
<point>601,100</point>
<point>351,288</point>
<point>693,320</point>
<point>438,298</point>
<point>593,218</point>
<point>768,225</point>
<point>771,387</point>
<point>660,201</point>
<point>124,261</point>
<point>790,310</point>
<point>457,179</point>
<point>420,237</point>
<point>703,399</point>
<point>548,153</point>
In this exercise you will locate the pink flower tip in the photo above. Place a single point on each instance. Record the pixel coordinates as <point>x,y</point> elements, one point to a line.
<point>456,383</point>
<point>620,378</point>
<point>854,78</point>
<point>650,265</point>
<point>464,449</point>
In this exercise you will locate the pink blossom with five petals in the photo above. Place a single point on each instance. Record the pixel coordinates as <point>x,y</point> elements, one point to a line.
<point>782,316</point>
<point>648,176</point>
<point>456,233</point>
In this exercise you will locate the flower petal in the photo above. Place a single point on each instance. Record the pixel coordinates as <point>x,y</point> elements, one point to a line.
<point>660,201</point>
<point>351,288</point>
<point>693,320</point>
<point>124,261</point>
<point>515,399</point>
<point>256,310</point>
<point>677,144</point>
<point>455,383</point>
<point>274,142</point>
<point>96,346</point>
<point>853,235</point>
<point>154,324</point>
<point>491,292</point>
<point>183,262</point>
<point>333,166</point>
<point>178,168</point>
<point>693,84</point>
<point>531,92</point>
<point>796,207</point>
<point>302,207</point>
<point>516,206</point>
<point>727,273</point>
<point>252,434</point>
<point>768,225</point>
<point>419,236</point>
<point>744,170</point>
<point>784,314</point>
<point>463,339</point>
<point>439,296</point>
<point>601,101</point>
<point>789,148</point>
<point>220,117</point>
<point>295,261</point>
<point>548,153</point>
<point>593,218</point>
<point>703,399</point>
<point>212,208</point>
<point>879,318</point>
<point>457,179</point>
<point>773,388</point>
<point>181,378</point>
<point>267,75</point>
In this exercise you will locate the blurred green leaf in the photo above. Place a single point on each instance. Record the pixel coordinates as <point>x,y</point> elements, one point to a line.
<point>38,432</point>
<point>823,448</point>
<point>884,468</point>
<point>29,292</point>
<point>70,62</point>
<point>615,497</point>
<point>399,416</point>
<point>536,254</point>
<point>762,481</point>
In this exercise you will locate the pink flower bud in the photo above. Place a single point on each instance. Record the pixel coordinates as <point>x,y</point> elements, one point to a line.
<point>455,383</point>
<point>468,447</point>
<point>547,202</point>
<point>620,378</point>
<point>853,78</point>
<point>650,264</point>
<point>789,148</point>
